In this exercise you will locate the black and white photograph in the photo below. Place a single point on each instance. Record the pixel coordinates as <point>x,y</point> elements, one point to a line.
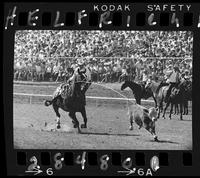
<point>98,89</point>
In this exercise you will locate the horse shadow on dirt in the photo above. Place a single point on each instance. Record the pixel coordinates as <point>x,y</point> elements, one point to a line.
<point>111,134</point>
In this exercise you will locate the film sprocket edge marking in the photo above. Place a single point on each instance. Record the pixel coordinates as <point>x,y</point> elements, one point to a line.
<point>80,22</point>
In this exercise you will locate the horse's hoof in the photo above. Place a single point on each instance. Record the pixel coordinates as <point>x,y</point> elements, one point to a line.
<point>131,128</point>
<point>83,126</point>
<point>58,127</point>
<point>156,138</point>
<point>75,126</point>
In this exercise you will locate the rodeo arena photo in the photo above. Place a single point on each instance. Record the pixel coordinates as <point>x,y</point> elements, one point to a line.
<point>79,89</point>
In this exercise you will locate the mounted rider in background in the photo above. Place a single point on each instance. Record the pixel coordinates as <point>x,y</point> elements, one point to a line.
<point>172,77</point>
<point>173,80</point>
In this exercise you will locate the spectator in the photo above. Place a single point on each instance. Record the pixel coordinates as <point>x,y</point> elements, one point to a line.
<point>140,47</point>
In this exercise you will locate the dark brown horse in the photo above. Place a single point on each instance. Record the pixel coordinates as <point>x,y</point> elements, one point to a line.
<point>139,91</point>
<point>72,103</point>
<point>180,95</point>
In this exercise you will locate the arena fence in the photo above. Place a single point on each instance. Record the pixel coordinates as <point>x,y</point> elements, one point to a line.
<point>93,100</point>
<point>87,97</point>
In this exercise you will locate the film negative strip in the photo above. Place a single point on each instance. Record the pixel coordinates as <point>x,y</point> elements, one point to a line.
<point>101,88</point>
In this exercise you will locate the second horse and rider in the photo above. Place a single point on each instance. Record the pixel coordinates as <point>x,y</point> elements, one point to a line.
<point>175,89</point>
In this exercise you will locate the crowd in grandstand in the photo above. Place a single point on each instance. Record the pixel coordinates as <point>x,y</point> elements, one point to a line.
<point>112,56</point>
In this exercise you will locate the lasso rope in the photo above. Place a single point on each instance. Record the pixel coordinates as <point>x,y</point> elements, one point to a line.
<point>128,100</point>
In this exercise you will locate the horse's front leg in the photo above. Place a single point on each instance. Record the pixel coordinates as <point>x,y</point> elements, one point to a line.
<point>159,110</point>
<point>161,105</point>
<point>131,122</point>
<point>181,111</point>
<point>171,110</point>
<point>72,115</point>
<point>55,107</point>
<point>83,113</point>
<point>154,101</point>
<point>167,104</point>
<point>186,108</point>
<point>138,100</point>
<point>175,108</point>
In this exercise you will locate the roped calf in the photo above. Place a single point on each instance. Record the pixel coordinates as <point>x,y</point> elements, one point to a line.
<point>143,117</point>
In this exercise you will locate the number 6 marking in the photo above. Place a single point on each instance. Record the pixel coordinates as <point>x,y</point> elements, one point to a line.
<point>49,171</point>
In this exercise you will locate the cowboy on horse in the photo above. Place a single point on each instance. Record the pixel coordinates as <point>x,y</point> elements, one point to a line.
<point>70,96</point>
<point>68,90</point>
<point>172,79</point>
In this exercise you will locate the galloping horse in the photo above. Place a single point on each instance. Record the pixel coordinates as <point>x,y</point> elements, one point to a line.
<point>72,103</point>
<point>139,91</point>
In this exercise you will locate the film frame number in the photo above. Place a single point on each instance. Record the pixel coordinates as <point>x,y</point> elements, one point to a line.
<point>81,160</point>
<point>104,162</point>
<point>34,164</point>
<point>58,161</point>
<point>49,171</point>
<point>127,163</point>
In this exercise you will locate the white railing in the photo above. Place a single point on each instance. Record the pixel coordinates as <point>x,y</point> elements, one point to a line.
<point>88,97</point>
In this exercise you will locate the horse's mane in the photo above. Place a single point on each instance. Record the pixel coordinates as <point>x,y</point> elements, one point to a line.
<point>133,83</point>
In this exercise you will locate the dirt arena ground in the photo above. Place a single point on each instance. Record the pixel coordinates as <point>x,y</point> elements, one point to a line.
<point>34,125</point>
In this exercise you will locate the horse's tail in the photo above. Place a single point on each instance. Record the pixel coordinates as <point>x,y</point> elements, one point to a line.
<point>48,102</point>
